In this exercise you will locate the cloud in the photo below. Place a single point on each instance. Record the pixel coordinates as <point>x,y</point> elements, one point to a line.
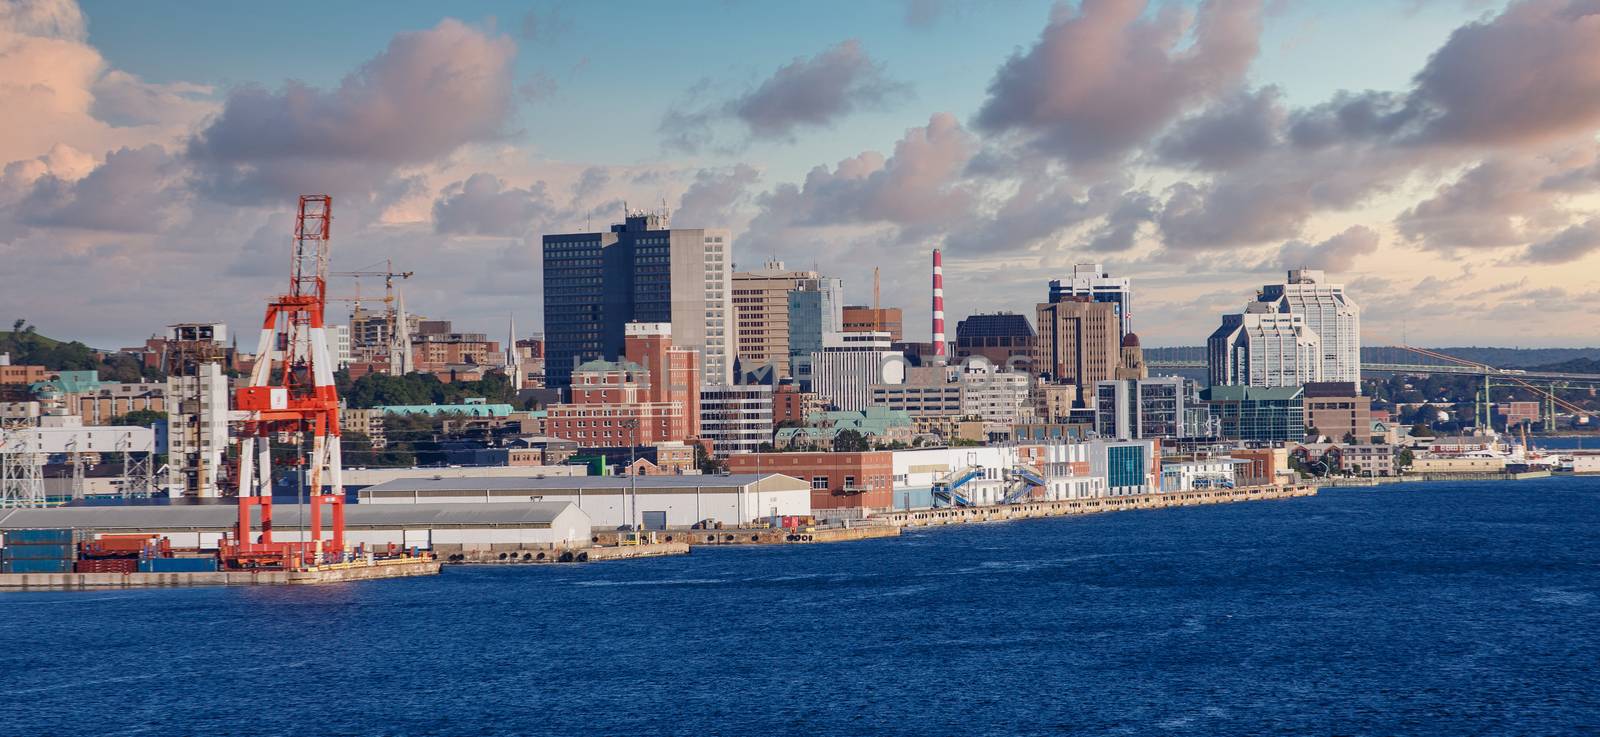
<point>429,93</point>
<point>1336,254</point>
<point>1569,245</point>
<point>1529,75</point>
<point>135,190</point>
<point>918,185</point>
<point>1104,79</point>
<point>923,13</point>
<point>714,195</point>
<point>810,92</point>
<point>1504,200</point>
<point>483,205</point>
<point>1232,131</point>
<point>56,19</point>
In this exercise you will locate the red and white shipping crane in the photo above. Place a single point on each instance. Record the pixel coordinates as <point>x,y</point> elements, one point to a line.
<point>291,393</point>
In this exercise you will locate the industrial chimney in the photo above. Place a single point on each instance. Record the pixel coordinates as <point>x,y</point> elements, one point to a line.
<point>939,349</point>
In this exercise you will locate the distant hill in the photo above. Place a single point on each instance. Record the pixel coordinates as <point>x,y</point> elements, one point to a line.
<point>29,348</point>
<point>1576,365</point>
<point>1523,358</point>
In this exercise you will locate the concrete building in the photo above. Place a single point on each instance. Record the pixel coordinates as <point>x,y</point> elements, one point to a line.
<point>790,405</point>
<point>1263,349</point>
<point>1004,339</point>
<point>1337,411</point>
<point>993,395</point>
<point>860,319</point>
<point>436,347</point>
<point>1090,281</point>
<point>736,419</point>
<point>340,349</point>
<point>1328,312</point>
<point>1257,414</point>
<point>849,365</point>
<point>108,401</point>
<point>816,310</point>
<point>1129,467</point>
<point>640,271</point>
<point>1079,341</point>
<point>651,395</point>
<point>197,431</point>
<point>842,484</point>
<point>761,315</point>
<point>1206,473</point>
<point>664,502</point>
<point>930,395</point>
<point>1165,408</point>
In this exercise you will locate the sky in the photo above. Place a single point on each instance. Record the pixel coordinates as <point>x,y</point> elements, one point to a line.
<point>1438,158</point>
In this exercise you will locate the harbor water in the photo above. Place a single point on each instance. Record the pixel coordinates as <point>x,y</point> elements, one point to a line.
<point>1410,609</point>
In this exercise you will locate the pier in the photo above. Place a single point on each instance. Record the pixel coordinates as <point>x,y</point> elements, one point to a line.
<point>338,573</point>
<point>1065,507</point>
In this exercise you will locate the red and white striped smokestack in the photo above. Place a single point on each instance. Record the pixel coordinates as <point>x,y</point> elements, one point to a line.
<point>939,348</point>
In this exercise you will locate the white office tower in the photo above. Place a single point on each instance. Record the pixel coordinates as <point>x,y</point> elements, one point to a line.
<point>1328,312</point>
<point>736,419</point>
<point>849,365</point>
<point>1263,348</point>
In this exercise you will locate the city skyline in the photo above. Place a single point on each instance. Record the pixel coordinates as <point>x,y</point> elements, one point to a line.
<point>158,186</point>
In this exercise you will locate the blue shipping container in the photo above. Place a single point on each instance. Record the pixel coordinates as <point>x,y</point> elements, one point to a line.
<point>37,552</point>
<point>177,565</point>
<point>35,566</point>
<point>39,537</point>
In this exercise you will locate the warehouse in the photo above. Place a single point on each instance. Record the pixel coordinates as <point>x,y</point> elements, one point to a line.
<point>663,501</point>
<point>432,526</point>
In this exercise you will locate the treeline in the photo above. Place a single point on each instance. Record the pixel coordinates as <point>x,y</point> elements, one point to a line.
<point>377,390</point>
<point>29,348</point>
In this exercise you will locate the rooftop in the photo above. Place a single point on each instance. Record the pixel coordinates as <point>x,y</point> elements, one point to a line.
<point>556,484</point>
<point>284,516</point>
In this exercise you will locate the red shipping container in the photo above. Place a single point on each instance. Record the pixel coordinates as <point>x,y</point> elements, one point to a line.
<point>107,565</point>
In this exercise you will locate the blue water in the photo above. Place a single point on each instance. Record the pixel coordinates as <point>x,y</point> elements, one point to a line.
<point>1402,610</point>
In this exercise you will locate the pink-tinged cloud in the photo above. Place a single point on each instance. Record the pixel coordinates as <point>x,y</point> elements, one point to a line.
<point>429,93</point>
<point>1102,80</point>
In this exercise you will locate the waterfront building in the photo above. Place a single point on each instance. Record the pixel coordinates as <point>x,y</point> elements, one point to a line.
<point>595,284</point>
<point>761,316</point>
<point>816,310</point>
<point>736,419</point>
<point>1258,414</point>
<point>1129,467</point>
<point>1263,349</point>
<point>859,319</point>
<point>1078,341</point>
<point>663,502</point>
<point>1091,282</point>
<point>843,485</point>
<point>1004,339</point>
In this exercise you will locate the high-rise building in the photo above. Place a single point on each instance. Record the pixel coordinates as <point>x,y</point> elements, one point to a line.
<point>1263,348</point>
<point>860,319</point>
<point>816,309</point>
<point>736,419</point>
<point>197,431</point>
<point>849,365</point>
<point>1328,312</point>
<point>640,271</point>
<point>1090,281</point>
<point>1078,341</point>
<point>761,316</point>
<point>1004,339</point>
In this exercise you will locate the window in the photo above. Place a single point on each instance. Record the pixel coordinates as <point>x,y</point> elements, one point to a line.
<point>849,482</point>
<point>819,482</point>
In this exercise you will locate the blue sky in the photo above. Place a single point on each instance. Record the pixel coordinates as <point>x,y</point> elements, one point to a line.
<point>1016,180</point>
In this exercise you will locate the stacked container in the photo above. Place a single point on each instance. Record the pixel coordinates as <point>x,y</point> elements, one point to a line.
<point>38,551</point>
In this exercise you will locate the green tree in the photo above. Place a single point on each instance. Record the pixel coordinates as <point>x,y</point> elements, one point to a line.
<point>140,417</point>
<point>850,441</point>
<point>1421,430</point>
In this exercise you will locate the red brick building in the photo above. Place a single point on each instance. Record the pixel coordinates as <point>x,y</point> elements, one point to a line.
<point>651,396</point>
<point>862,481</point>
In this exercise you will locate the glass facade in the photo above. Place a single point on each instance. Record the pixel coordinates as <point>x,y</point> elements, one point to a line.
<point>1124,466</point>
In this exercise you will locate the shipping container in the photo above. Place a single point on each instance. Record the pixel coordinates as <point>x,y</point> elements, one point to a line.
<point>39,537</point>
<point>177,565</point>
<point>35,566</point>
<point>107,565</point>
<point>37,552</point>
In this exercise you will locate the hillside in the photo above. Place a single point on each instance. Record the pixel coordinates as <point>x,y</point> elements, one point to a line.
<point>27,347</point>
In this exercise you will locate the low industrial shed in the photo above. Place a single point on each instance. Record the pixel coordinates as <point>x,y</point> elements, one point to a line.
<point>431,526</point>
<point>663,501</point>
